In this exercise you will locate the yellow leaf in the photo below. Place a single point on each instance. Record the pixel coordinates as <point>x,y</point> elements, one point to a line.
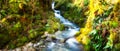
<point>3,20</point>
<point>20,6</point>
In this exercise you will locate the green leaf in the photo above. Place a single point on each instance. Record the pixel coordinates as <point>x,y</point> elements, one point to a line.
<point>10,1</point>
<point>17,25</point>
<point>114,24</point>
<point>86,2</point>
<point>93,32</point>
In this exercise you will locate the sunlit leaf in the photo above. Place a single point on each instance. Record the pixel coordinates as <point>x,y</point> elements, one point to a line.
<point>20,6</point>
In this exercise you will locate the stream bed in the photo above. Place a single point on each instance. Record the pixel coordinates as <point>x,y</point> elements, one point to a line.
<point>65,40</point>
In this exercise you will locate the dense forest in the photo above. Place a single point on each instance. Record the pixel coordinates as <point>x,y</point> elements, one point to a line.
<point>24,21</point>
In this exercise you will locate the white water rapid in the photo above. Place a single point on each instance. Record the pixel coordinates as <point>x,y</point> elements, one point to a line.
<point>70,43</point>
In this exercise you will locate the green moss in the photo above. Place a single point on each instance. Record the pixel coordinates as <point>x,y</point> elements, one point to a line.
<point>62,27</point>
<point>117,47</point>
<point>52,25</point>
<point>24,21</point>
<point>11,46</point>
<point>32,33</point>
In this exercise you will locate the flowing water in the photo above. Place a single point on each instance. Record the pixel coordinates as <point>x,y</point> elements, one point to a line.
<point>64,40</point>
<point>70,43</point>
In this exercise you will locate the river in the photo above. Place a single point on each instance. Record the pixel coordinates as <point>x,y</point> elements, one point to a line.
<point>67,36</point>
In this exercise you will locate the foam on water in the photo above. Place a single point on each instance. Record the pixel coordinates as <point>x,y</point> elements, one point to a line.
<point>71,44</point>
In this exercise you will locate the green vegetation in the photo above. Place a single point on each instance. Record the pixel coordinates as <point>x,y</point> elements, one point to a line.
<point>101,30</point>
<point>71,11</point>
<point>23,21</point>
